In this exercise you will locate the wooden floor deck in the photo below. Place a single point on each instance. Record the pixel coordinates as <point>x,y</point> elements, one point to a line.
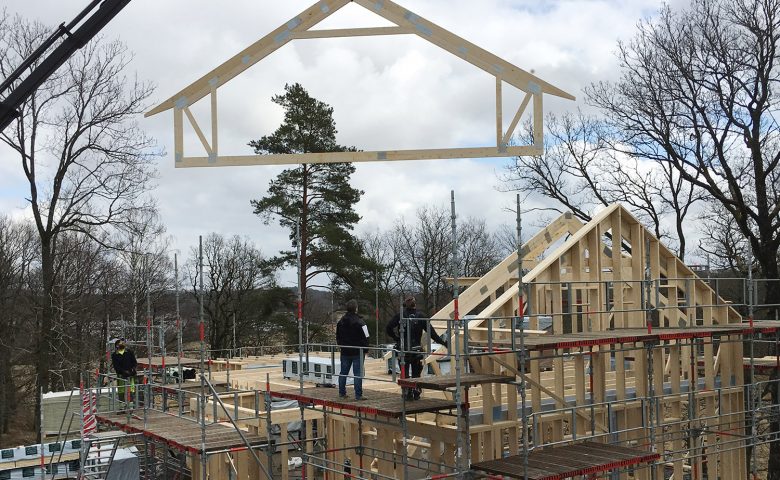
<point>555,463</point>
<point>182,433</point>
<point>375,402</point>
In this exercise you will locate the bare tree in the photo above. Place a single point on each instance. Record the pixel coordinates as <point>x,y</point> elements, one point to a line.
<point>86,162</point>
<point>378,247</point>
<point>232,274</point>
<point>423,249</point>
<point>143,249</point>
<point>478,250</point>
<point>422,253</point>
<point>570,170</point>
<point>80,267</point>
<point>17,259</point>
<point>699,92</point>
<point>585,166</point>
<point>723,243</point>
<point>697,95</point>
<point>505,239</point>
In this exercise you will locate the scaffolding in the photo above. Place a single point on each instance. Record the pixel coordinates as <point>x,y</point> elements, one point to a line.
<point>622,363</point>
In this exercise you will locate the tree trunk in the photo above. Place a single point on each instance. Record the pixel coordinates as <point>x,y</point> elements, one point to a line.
<point>767,259</point>
<point>104,335</point>
<point>5,390</point>
<point>681,239</point>
<point>44,347</point>
<point>304,246</point>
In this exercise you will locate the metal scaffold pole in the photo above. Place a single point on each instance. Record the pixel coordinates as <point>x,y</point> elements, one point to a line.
<point>651,404</point>
<point>148,376</point>
<point>645,292</point>
<point>202,328</point>
<point>268,424</point>
<point>41,430</point>
<point>752,390</point>
<point>462,444</point>
<point>376,304</point>
<point>405,391</point>
<point>299,304</point>
<point>178,319</point>
<point>521,316</point>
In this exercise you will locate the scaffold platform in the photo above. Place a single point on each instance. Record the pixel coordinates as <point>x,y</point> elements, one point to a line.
<point>565,461</point>
<point>180,432</point>
<point>374,402</point>
<point>446,382</point>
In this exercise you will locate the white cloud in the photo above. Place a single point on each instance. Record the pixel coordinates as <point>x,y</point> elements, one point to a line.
<point>387,92</point>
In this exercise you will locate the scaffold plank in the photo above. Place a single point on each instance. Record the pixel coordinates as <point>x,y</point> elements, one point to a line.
<point>375,402</point>
<point>179,432</point>
<point>566,461</point>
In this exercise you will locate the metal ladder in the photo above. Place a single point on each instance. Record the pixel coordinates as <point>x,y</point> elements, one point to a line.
<point>97,454</point>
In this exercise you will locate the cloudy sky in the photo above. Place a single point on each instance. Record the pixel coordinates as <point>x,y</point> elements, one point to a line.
<point>393,92</point>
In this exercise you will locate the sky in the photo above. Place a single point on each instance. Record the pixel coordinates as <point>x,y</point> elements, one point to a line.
<point>392,92</point>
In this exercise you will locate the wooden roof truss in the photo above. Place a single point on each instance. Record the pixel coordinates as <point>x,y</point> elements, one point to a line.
<point>405,22</point>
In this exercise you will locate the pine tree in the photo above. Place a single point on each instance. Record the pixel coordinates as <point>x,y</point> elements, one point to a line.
<point>318,196</point>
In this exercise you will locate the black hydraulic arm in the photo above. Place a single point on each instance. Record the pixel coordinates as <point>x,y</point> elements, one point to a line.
<point>74,39</point>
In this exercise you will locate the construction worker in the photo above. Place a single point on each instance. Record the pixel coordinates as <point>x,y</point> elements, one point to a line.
<point>416,324</point>
<point>124,363</point>
<point>351,334</point>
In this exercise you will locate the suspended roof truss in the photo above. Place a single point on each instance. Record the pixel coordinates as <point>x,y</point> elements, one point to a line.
<point>405,22</point>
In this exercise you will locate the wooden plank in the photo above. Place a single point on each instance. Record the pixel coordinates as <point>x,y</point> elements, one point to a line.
<point>351,32</point>
<point>499,114</point>
<point>375,402</point>
<point>567,461</point>
<point>357,157</point>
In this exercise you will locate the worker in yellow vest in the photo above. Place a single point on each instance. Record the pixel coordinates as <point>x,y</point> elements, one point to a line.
<point>124,363</point>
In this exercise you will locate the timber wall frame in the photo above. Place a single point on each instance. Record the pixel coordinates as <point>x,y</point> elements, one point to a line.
<point>666,363</point>
<point>405,22</point>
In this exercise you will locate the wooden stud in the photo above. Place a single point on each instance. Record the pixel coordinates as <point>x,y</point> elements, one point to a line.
<point>538,121</point>
<point>499,115</point>
<point>178,134</point>
<point>214,123</point>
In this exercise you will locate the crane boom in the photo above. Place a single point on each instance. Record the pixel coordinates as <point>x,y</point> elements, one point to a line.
<point>74,40</point>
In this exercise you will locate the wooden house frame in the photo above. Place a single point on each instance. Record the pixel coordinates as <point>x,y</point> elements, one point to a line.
<point>405,22</point>
<point>642,374</point>
<point>692,345</point>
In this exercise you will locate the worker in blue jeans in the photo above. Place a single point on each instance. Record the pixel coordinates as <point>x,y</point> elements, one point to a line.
<point>351,335</point>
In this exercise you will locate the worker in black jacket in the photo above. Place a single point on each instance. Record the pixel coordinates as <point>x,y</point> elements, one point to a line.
<point>416,324</point>
<point>351,334</point>
<point>124,363</point>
